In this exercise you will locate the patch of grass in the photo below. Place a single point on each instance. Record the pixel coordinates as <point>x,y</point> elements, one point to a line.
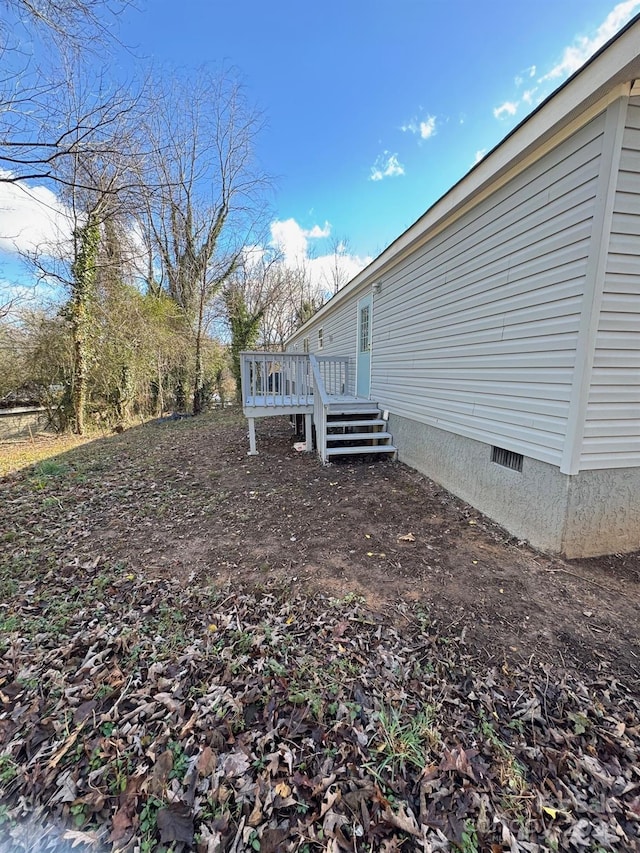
<point>405,739</point>
<point>8,586</point>
<point>8,623</point>
<point>510,772</point>
<point>149,824</point>
<point>51,468</point>
<point>180,760</point>
<point>15,457</point>
<point>347,599</point>
<point>8,769</point>
<point>469,841</point>
<point>47,470</point>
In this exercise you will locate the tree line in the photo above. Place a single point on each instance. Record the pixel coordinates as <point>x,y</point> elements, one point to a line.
<point>160,268</point>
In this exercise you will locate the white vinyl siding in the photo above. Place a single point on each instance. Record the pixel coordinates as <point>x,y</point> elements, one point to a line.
<point>612,427</point>
<point>339,335</point>
<point>475,333</point>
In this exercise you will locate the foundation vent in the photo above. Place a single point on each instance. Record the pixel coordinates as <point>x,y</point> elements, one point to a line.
<point>506,458</point>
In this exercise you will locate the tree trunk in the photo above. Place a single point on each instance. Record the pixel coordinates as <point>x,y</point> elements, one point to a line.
<point>181,388</point>
<point>160,390</point>
<point>82,289</point>
<point>79,395</point>
<point>198,379</point>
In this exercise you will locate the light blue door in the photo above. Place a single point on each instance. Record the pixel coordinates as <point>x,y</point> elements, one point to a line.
<point>363,360</point>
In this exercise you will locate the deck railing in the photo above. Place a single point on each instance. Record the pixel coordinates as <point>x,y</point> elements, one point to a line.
<point>320,408</point>
<point>334,371</point>
<point>276,379</point>
<point>289,382</point>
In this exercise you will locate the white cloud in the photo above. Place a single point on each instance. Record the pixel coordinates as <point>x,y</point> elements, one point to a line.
<point>317,232</point>
<point>479,155</point>
<point>295,243</point>
<point>425,128</point>
<point>293,240</point>
<point>576,55</point>
<point>386,166</point>
<point>573,57</point>
<point>322,270</point>
<point>509,108</point>
<point>428,127</point>
<point>31,218</point>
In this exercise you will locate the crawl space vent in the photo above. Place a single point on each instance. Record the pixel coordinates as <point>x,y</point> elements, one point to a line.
<point>506,458</point>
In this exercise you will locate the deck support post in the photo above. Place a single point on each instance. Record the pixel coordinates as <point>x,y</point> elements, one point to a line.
<point>308,434</point>
<point>252,437</point>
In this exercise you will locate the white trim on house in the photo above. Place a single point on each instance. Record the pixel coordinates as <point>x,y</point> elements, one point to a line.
<point>594,284</point>
<point>612,420</point>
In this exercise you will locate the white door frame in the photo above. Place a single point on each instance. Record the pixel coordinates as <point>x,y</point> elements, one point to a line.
<point>368,298</point>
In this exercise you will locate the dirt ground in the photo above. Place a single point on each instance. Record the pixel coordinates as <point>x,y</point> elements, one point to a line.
<point>183,499</point>
<point>238,653</point>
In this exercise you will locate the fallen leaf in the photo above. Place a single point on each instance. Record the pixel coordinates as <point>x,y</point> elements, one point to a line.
<point>331,796</point>
<point>161,770</point>
<point>408,537</point>
<point>207,762</point>
<point>404,820</point>
<point>175,823</point>
<point>77,837</point>
<point>235,764</point>
<point>256,816</point>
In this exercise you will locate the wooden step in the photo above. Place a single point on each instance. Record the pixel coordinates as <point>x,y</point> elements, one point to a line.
<point>343,451</point>
<point>358,436</point>
<point>358,423</point>
<point>352,409</point>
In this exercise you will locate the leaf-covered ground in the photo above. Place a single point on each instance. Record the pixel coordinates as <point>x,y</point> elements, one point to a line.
<point>200,651</point>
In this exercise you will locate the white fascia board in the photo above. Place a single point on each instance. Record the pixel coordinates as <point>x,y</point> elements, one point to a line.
<point>608,75</point>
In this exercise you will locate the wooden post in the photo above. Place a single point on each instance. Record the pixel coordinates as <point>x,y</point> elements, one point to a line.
<point>308,434</point>
<point>252,438</point>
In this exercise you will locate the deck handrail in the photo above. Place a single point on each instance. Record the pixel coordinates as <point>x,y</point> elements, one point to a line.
<point>320,408</point>
<point>275,379</point>
<point>335,373</point>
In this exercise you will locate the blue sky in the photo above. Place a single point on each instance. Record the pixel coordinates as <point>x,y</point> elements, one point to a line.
<point>373,110</point>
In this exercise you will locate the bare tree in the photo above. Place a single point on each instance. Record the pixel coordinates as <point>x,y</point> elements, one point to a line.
<point>338,274</point>
<point>207,202</point>
<point>98,182</point>
<point>42,42</point>
<point>69,21</point>
<point>265,301</point>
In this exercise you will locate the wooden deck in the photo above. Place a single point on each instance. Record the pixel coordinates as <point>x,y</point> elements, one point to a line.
<point>298,384</point>
<point>269,405</point>
<point>264,406</point>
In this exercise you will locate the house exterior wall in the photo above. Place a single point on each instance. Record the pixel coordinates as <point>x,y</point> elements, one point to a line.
<point>530,504</point>
<point>476,332</point>
<point>479,340</point>
<point>338,335</point>
<point>612,422</point>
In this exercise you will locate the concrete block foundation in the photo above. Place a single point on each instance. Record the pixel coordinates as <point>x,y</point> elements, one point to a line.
<point>585,515</point>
